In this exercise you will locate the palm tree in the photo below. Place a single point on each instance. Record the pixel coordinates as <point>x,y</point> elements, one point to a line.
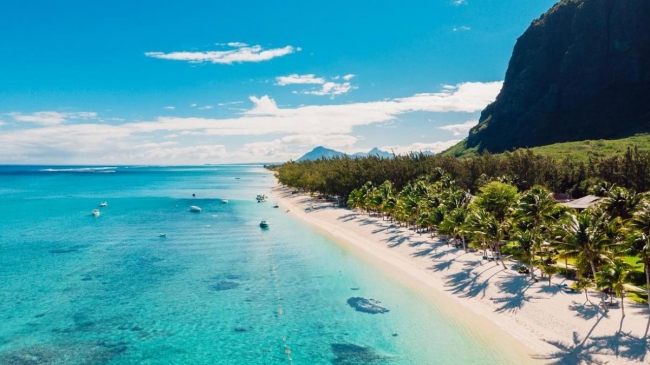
<point>454,224</point>
<point>639,238</point>
<point>584,284</point>
<point>583,239</point>
<point>620,202</point>
<point>549,270</point>
<point>614,276</point>
<point>486,227</point>
<point>537,206</point>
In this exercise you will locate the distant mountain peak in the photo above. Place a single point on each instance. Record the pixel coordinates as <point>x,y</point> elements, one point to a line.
<point>323,152</point>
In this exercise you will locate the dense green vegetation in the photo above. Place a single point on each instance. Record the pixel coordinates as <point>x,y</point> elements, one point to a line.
<point>514,211</point>
<point>523,169</point>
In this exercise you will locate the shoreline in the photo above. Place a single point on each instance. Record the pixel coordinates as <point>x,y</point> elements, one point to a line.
<point>500,306</point>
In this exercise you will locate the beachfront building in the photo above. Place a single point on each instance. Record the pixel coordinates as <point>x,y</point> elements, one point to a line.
<point>582,203</point>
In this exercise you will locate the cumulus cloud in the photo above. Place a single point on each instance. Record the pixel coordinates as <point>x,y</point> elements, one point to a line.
<point>50,117</point>
<point>330,88</point>
<point>295,79</point>
<point>459,129</point>
<point>239,54</point>
<point>293,146</point>
<point>435,147</point>
<point>92,142</point>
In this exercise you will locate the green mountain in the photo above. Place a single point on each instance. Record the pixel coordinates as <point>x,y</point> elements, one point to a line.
<point>579,72</point>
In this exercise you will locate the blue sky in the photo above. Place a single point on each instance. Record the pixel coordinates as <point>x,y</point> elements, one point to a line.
<point>180,82</point>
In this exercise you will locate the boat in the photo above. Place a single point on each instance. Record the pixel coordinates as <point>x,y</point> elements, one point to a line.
<point>261,198</point>
<point>195,209</point>
<point>264,223</point>
<point>163,235</point>
<point>103,204</point>
<point>225,201</point>
<point>96,212</point>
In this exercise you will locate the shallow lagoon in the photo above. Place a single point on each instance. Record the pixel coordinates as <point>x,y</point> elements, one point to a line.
<point>217,290</point>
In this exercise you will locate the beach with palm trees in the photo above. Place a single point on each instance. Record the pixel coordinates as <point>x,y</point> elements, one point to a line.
<point>553,280</point>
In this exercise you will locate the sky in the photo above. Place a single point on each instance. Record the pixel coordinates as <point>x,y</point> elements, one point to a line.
<point>195,82</point>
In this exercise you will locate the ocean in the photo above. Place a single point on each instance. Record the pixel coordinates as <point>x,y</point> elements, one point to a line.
<point>218,289</point>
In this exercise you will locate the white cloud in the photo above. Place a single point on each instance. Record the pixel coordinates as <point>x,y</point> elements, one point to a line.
<point>207,107</point>
<point>460,2</point>
<point>169,108</point>
<point>230,103</point>
<point>293,146</point>
<point>459,129</point>
<point>161,152</point>
<point>435,147</point>
<point>91,142</point>
<point>327,87</point>
<point>236,44</point>
<point>463,28</point>
<point>295,79</point>
<point>239,54</point>
<point>51,117</point>
<point>332,88</point>
<point>193,105</point>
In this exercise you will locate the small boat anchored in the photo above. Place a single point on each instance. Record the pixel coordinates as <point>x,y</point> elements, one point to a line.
<point>224,201</point>
<point>264,224</point>
<point>162,235</point>
<point>195,209</point>
<point>103,204</point>
<point>261,198</point>
<point>96,212</point>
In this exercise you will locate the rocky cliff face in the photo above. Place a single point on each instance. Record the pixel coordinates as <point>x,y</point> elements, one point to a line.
<point>580,71</point>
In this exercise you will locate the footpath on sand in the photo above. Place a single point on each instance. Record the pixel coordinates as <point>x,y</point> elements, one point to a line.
<point>554,325</point>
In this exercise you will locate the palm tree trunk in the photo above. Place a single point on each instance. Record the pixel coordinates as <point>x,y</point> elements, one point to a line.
<point>464,247</point>
<point>566,267</point>
<point>593,268</point>
<point>501,256</point>
<point>623,303</point>
<point>532,268</point>
<point>646,262</point>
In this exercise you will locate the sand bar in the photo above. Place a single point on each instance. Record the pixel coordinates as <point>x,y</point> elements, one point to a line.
<point>538,322</point>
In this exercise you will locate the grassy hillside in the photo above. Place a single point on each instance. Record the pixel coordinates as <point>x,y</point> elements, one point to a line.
<point>595,148</point>
<point>580,150</point>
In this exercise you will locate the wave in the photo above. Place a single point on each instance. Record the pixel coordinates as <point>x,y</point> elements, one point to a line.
<point>83,169</point>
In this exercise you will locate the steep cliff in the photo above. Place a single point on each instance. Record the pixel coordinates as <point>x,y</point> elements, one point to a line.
<point>580,71</point>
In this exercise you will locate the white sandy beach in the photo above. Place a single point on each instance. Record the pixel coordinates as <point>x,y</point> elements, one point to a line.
<point>540,323</point>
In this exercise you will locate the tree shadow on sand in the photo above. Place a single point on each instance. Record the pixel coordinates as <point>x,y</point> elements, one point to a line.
<point>396,240</point>
<point>516,288</point>
<point>622,345</point>
<point>348,217</point>
<point>466,283</point>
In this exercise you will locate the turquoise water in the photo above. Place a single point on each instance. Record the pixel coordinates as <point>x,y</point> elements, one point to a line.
<point>78,289</point>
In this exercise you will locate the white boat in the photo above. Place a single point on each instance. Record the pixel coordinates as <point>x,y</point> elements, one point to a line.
<point>103,204</point>
<point>96,212</point>
<point>264,223</point>
<point>225,201</point>
<point>195,209</point>
<point>163,235</point>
